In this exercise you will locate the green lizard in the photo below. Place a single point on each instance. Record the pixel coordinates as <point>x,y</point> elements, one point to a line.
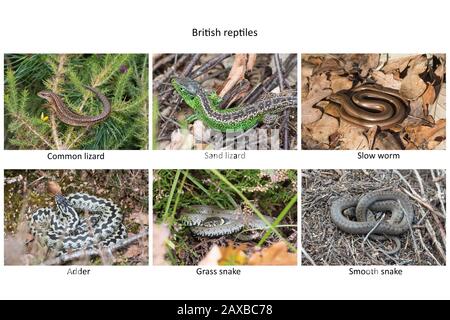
<point>240,118</point>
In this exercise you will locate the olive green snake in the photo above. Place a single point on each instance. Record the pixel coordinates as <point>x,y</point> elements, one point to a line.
<point>211,221</point>
<point>364,208</point>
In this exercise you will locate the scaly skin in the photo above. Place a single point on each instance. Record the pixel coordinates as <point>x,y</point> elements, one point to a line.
<point>240,118</point>
<point>210,221</point>
<point>363,208</point>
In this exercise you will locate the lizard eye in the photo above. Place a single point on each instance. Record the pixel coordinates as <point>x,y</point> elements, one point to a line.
<point>186,91</point>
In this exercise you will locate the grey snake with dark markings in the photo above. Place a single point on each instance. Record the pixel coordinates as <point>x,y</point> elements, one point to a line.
<point>63,230</point>
<point>210,221</point>
<point>364,208</point>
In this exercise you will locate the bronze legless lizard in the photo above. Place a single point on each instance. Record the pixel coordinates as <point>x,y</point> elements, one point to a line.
<point>71,118</point>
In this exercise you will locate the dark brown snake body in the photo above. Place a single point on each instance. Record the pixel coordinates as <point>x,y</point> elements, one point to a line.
<point>363,208</point>
<point>371,105</point>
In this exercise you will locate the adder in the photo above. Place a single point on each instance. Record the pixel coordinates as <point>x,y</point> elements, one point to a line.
<point>63,229</point>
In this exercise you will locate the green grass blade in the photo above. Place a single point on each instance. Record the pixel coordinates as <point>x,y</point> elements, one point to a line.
<point>278,219</point>
<point>255,210</point>
<point>172,191</point>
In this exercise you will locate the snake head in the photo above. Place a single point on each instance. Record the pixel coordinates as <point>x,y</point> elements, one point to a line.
<point>54,188</point>
<point>337,98</point>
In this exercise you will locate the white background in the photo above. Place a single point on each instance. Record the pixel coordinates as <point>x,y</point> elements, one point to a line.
<point>140,26</point>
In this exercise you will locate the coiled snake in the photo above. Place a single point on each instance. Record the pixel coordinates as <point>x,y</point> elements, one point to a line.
<point>210,221</point>
<point>364,208</point>
<point>63,230</point>
<point>371,105</point>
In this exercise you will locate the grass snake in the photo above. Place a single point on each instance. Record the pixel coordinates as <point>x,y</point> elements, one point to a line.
<point>210,221</point>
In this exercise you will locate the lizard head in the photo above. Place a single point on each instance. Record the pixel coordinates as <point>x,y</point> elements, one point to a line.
<point>47,95</point>
<point>186,88</point>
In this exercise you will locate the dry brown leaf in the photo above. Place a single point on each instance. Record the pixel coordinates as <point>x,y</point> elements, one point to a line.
<point>371,136</point>
<point>352,137</point>
<point>418,65</point>
<point>440,71</point>
<point>212,257</point>
<point>428,98</point>
<point>200,132</point>
<point>322,129</point>
<point>331,109</point>
<point>339,83</point>
<point>251,61</point>
<point>371,63</point>
<point>424,137</point>
<point>330,65</point>
<point>385,140</point>
<point>180,140</point>
<point>139,217</point>
<point>237,73</point>
<point>133,251</point>
<point>228,255</point>
<point>438,109</point>
<point>233,255</point>
<point>161,234</point>
<point>399,64</point>
<point>415,109</point>
<point>312,59</point>
<point>319,88</point>
<point>309,113</point>
<point>363,63</point>
<point>14,251</point>
<point>412,87</point>
<point>310,144</point>
<point>275,255</point>
<point>307,72</point>
<point>386,80</point>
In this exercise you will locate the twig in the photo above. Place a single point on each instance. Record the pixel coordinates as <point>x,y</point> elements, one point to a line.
<point>434,213</point>
<point>427,250</point>
<point>440,196</point>
<point>168,58</point>
<point>169,73</point>
<point>419,179</point>
<point>187,70</point>
<point>81,135</point>
<point>96,252</point>
<point>416,249</point>
<point>436,243</point>
<point>208,65</point>
<point>285,122</point>
<point>30,127</point>
<point>270,83</point>
<point>307,256</point>
<point>424,203</point>
<point>55,83</point>
<point>406,182</point>
<point>372,230</point>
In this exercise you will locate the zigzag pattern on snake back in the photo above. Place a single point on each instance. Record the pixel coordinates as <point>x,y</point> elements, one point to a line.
<point>63,229</point>
<point>210,221</point>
